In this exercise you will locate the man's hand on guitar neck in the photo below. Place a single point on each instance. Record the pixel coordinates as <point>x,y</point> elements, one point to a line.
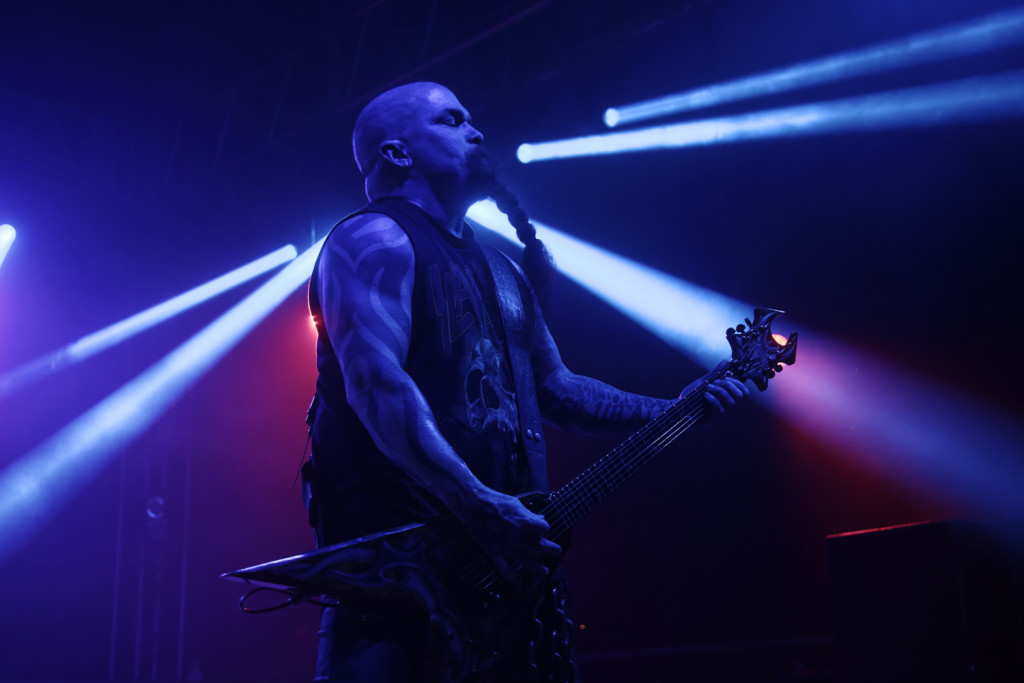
<point>509,534</point>
<point>719,393</point>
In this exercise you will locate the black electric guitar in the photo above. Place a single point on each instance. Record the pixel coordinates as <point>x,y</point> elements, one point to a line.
<point>485,623</point>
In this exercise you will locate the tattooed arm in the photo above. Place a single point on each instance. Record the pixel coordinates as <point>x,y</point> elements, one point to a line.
<point>365,287</point>
<point>587,405</point>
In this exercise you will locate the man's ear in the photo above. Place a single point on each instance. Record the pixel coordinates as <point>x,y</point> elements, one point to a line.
<point>395,153</point>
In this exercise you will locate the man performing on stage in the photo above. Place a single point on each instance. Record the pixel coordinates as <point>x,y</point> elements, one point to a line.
<point>435,371</point>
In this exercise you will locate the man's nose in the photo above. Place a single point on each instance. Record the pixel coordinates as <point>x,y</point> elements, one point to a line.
<point>475,136</point>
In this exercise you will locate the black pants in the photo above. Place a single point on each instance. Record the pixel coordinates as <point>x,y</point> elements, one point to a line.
<point>379,645</point>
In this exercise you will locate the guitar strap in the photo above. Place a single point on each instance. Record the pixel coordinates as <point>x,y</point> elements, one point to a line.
<point>518,333</point>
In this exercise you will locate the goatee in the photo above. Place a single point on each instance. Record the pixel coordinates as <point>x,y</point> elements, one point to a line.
<point>481,169</point>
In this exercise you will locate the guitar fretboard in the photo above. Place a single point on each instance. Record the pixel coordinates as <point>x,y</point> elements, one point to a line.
<point>571,502</point>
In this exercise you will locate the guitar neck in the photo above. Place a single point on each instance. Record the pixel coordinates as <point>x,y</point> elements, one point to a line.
<point>567,505</point>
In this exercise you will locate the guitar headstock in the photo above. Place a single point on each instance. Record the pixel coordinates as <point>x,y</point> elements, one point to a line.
<point>756,354</point>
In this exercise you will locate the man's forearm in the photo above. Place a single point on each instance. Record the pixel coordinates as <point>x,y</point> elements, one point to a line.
<point>584,404</point>
<point>401,424</point>
<point>403,427</point>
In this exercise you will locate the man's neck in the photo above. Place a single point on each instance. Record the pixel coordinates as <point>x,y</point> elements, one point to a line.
<point>451,215</point>
<point>452,220</point>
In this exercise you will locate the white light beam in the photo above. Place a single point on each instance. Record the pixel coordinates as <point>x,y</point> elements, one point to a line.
<point>986,34</point>
<point>701,316</point>
<point>913,431</point>
<point>7,235</point>
<point>972,100</point>
<point>42,482</point>
<point>114,334</point>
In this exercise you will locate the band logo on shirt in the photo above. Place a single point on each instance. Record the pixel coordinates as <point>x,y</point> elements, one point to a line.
<point>452,294</point>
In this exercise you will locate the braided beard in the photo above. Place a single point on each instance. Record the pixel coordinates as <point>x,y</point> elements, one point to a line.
<point>537,262</point>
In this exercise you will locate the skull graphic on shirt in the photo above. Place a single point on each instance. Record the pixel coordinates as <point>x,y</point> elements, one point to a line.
<point>490,405</point>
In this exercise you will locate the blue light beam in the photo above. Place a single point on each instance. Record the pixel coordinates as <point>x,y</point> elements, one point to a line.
<point>40,484</point>
<point>973,100</point>
<point>986,34</point>
<point>701,316</point>
<point>7,235</point>
<point>908,429</point>
<point>103,339</point>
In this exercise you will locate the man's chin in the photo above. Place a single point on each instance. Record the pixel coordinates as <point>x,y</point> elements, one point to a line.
<point>479,185</point>
<point>481,168</point>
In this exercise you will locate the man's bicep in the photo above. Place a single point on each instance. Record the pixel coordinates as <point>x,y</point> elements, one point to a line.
<point>365,287</point>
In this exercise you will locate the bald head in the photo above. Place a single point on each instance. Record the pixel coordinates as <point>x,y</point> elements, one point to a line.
<point>389,116</point>
<point>417,140</point>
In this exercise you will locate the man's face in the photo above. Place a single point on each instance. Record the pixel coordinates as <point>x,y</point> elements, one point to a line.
<point>445,147</point>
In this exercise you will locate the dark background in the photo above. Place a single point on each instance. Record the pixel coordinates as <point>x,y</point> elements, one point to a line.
<point>146,147</point>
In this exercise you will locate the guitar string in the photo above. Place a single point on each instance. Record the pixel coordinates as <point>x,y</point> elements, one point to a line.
<point>618,470</point>
<point>601,479</point>
<point>563,510</point>
<point>580,490</point>
<point>585,500</point>
<point>607,471</point>
<point>490,577</point>
<point>577,490</point>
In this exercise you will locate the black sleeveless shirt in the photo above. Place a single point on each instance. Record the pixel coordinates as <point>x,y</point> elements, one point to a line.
<point>459,360</point>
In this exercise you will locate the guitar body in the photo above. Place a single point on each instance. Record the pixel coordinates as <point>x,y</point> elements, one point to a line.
<point>482,627</point>
<point>485,628</point>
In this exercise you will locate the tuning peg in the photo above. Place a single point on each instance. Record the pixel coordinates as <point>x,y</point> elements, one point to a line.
<point>742,328</point>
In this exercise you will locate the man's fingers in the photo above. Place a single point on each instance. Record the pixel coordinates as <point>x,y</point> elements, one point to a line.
<point>532,564</point>
<point>507,571</point>
<point>549,548</point>
<point>718,397</point>
<point>520,550</point>
<point>724,394</point>
<point>725,391</point>
<point>737,387</point>
<point>534,547</point>
<point>537,522</point>
<point>711,400</point>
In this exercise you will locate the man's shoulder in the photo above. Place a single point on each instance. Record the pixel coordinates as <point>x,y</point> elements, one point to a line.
<point>368,228</point>
<point>364,244</point>
<point>368,220</point>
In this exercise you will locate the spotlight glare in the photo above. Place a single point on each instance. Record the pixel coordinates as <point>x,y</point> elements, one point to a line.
<point>41,482</point>
<point>972,100</point>
<point>989,33</point>
<point>7,235</point>
<point>525,153</point>
<point>114,334</point>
